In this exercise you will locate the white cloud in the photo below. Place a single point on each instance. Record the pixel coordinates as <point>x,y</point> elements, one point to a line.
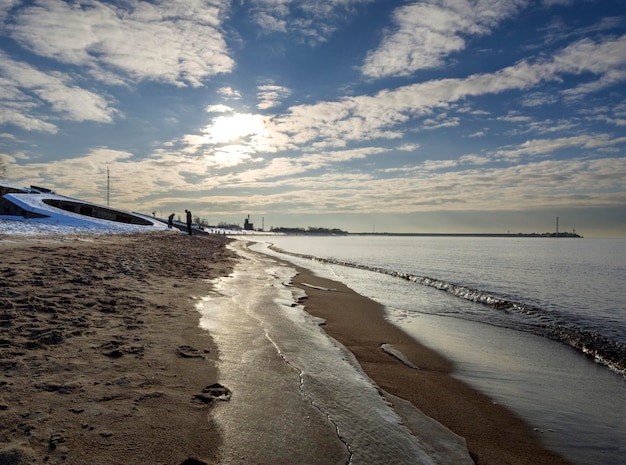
<point>515,118</point>
<point>473,159</point>
<point>78,175</point>
<point>599,58</point>
<point>608,79</point>
<point>229,156</point>
<point>229,92</point>
<point>269,23</point>
<point>271,96</point>
<point>5,7</point>
<point>436,165</point>
<point>550,126</point>
<point>288,182</point>
<point>566,183</point>
<point>27,122</point>
<point>538,147</point>
<point>537,99</point>
<point>20,82</point>
<point>408,147</point>
<point>175,42</point>
<point>133,182</point>
<point>615,115</point>
<point>304,20</point>
<point>426,32</point>
<point>440,122</point>
<point>380,116</point>
<point>287,171</point>
<point>219,109</point>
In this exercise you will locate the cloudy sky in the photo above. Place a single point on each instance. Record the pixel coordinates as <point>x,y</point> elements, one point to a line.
<point>365,115</point>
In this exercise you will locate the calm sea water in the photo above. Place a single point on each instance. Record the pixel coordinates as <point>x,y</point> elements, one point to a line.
<point>571,290</point>
<point>537,323</point>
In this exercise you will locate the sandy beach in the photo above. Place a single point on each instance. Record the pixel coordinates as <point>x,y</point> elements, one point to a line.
<point>102,359</point>
<point>101,356</point>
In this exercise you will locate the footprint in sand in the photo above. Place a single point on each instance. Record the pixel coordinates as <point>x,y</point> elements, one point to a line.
<point>213,392</point>
<point>188,352</point>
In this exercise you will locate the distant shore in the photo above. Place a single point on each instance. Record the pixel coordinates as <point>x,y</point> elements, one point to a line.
<point>551,235</point>
<point>294,232</point>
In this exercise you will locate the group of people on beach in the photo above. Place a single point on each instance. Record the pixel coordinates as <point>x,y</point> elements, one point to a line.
<point>170,220</point>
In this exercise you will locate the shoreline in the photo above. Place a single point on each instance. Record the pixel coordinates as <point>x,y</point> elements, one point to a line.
<point>494,434</point>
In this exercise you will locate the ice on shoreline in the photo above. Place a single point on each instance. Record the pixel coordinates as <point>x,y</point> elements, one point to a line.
<point>329,377</point>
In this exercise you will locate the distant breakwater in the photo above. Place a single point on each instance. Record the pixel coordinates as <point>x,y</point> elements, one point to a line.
<point>511,235</point>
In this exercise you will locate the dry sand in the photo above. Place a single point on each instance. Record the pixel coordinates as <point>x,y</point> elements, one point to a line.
<point>102,360</point>
<point>101,357</point>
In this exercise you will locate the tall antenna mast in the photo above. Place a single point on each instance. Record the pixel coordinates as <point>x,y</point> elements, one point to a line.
<point>108,185</point>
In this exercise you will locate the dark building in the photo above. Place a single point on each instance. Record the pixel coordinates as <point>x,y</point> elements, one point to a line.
<point>247,226</point>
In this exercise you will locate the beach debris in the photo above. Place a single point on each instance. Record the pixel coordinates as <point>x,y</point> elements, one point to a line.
<point>319,288</point>
<point>188,352</point>
<point>213,392</point>
<point>399,355</point>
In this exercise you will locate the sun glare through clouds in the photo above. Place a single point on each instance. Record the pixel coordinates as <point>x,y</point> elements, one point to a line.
<point>234,128</point>
<point>233,139</point>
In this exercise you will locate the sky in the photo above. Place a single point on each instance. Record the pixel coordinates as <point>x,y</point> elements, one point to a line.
<point>364,115</point>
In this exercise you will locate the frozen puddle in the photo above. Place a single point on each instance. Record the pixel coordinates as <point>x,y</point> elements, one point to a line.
<point>297,395</point>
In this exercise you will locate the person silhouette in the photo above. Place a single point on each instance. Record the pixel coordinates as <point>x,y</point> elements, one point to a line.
<point>188,221</point>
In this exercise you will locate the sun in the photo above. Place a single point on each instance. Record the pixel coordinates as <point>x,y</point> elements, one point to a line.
<point>234,128</point>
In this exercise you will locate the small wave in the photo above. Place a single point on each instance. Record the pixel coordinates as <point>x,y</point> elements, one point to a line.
<point>602,349</point>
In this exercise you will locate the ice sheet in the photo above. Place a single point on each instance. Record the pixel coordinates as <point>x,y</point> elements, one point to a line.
<point>272,353</point>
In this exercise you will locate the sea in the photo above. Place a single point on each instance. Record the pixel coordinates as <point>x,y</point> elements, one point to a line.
<point>536,323</point>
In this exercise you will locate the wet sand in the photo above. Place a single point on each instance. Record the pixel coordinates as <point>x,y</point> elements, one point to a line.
<point>102,359</point>
<point>494,435</point>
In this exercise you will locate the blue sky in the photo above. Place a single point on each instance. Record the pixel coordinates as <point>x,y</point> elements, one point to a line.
<point>365,115</point>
